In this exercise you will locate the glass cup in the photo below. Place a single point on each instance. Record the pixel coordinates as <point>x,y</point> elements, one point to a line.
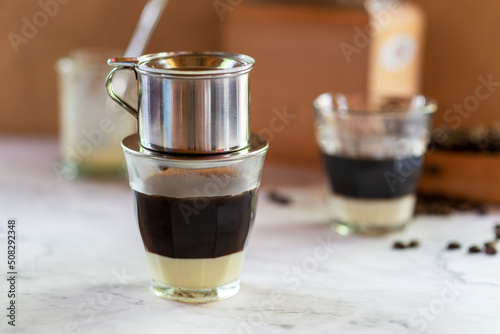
<point>92,126</point>
<point>195,213</point>
<point>373,150</point>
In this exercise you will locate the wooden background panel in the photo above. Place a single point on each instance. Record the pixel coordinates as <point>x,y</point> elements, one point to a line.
<point>462,44</point>
<point>297,58</point>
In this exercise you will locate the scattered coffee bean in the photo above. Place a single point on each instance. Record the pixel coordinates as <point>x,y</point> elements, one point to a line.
<point>482,210</point>
<point>490,248</point>
<point>414,244</point>
<point>399,245</point>
<point>454,245</point>
<point>497,231</point>
<point>474,249</point>
<point>279,199</point>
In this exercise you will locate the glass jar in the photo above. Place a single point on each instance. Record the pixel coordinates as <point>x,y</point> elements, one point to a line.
<point>373,152</point>
<point>91,125</point>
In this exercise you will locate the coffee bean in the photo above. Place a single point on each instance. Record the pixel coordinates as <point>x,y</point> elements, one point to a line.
<point>497,232</point>
<point>464,206</point>
<point>444,210</point>
<point>279,199</point>
<point>420,209</point>
<point>436,208</point>
<point>482,209</point>
<point>414,243</point>
<point>474,249</point>
<point>490,248</point>
<point>399,245</point>
<point>482,138</point>
<point>454,245</point>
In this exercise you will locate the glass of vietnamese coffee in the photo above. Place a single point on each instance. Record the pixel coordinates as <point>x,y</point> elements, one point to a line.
<point>373,151</point>
<point>195,213</point>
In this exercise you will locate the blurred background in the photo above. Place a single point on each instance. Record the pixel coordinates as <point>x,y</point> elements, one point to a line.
<point>302,48</point>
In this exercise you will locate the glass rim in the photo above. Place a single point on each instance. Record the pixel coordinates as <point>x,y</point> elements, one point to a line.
<point>92,57</point>
<point>424,105</point>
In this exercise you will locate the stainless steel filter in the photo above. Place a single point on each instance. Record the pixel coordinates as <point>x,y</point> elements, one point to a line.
<point>189,102</point>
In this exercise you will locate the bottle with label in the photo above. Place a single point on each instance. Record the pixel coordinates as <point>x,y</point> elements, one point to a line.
<point>396,48</point>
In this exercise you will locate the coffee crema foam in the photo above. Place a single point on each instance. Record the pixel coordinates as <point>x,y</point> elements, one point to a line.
<point>207,182</point>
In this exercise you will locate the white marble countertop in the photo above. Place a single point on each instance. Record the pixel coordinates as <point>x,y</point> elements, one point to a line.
<point>82,267</point>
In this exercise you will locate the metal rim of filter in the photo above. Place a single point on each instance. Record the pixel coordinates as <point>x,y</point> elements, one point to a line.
<point>258,145</point>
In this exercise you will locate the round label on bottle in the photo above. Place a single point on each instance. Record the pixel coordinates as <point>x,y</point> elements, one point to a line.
<point>398,51</point>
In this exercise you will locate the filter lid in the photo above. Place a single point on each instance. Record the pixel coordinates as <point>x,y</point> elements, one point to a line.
<point>190,64</point>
